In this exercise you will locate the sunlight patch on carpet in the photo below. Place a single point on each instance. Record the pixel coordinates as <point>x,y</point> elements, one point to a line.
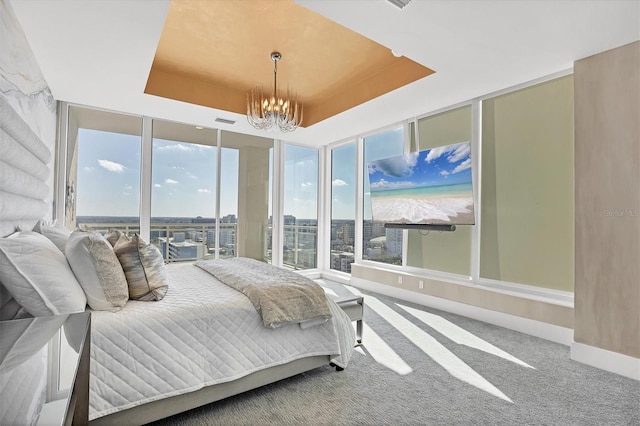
<point>460,335</point>
<point>434,349</point>
<point>383,353</point>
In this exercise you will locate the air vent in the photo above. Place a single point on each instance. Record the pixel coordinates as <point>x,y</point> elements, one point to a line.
<point>400,4</point>
<point>224,121</point>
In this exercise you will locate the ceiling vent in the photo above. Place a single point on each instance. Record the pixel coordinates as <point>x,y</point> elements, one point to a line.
<point>224,121</point>
<point>400,4</point>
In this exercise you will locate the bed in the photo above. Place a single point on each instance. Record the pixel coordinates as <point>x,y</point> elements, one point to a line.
<point>203,337</point>
<point>200,342</point>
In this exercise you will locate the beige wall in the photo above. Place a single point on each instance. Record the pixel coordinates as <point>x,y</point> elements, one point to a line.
<point>253,191</point>
<point>607,200</point>
<point>253,201</point>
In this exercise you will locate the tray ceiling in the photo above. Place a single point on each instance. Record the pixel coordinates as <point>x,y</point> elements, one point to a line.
<point>211,53</point>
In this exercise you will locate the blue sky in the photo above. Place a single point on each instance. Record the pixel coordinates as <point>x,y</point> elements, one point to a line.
<point>183,178</point>
<point>446,165</point>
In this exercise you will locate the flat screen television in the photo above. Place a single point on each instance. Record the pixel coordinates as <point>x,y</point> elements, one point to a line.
<point>430,187</point>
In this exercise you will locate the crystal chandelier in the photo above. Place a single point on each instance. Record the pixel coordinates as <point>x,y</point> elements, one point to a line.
<point>269,112</point>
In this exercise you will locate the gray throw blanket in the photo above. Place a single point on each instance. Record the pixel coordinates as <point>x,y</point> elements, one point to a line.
<point>280,296</point>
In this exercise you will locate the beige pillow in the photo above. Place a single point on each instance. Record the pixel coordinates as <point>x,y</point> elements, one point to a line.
<point>144,268</point>
<point>98,270</point>
<point>113,235</point>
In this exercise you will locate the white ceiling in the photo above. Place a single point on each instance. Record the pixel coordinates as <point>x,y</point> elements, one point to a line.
<point>99,52</point>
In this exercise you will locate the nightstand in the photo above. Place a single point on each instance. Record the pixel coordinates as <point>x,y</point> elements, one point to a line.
<point>44,370</point>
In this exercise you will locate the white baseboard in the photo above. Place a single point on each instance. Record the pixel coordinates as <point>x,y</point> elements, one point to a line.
<point>613,362</point>
<point>540,329</point>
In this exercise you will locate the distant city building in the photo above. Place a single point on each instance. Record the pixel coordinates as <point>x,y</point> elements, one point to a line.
<point>394,242</point>
<point>181,250</point>
<point>341,261</point>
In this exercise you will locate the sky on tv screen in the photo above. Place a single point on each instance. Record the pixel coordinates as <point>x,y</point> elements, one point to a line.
<point>431,186</point>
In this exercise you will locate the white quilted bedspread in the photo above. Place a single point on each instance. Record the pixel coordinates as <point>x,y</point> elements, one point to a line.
<point>202,333</point>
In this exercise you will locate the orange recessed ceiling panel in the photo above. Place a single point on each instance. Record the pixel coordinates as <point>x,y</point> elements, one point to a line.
<point>213,52</point>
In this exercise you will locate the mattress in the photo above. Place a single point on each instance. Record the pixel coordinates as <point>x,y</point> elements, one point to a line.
<point>202,333</point>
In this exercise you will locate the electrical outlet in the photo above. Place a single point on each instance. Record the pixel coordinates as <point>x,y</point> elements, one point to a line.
<point>421,284</point>
<point>400,279</point>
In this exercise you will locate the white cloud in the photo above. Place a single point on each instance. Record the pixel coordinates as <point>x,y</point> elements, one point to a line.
<point>383,184</point>
<point>127,186</point>
<point>157,185</point>
<point>306,184</point>
<point>445,173</point>
<point>191,175</point>
<point>454,153</point>
<point>204,190</point>
<point>170,181</point>
<point>180,147</point>
<point>396,166</point>
<point>111,166</point>
<point>462,151</point>
<point>339,182</point>
<point>466,164</point>
<point>126,193</point>
<point>88,169</point>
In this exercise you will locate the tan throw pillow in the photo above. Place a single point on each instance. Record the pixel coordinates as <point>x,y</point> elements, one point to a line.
<point>98,270</point>
<point>144,268</point>
<point>113,235</point>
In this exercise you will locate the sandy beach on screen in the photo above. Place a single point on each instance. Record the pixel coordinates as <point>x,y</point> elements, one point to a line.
<point>424,210</point>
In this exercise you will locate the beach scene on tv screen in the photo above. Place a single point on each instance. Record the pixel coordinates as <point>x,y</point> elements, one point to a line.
<point>430,187</point>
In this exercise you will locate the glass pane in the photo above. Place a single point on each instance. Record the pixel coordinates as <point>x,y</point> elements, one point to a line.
<point>183,202</point>
<point>228,201</point>
<point>103,170</point>
<point>527,186</point>
<point>268,237</point>
<point>380,244</point>
<point>442,251</point>
<point>300,232</point>
<point>343,206</point>
<point>244,195</point>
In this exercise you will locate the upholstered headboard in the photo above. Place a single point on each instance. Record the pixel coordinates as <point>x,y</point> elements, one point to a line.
<point>24,171</point>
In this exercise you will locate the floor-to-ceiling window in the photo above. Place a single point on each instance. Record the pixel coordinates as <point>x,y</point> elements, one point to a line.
<point>183,197</point>
<point>267,254</point>
<point>300,206</point>
<point>208,198</point>
<point>378,243</point>
<point>343,206</point>
<point>103,170</point>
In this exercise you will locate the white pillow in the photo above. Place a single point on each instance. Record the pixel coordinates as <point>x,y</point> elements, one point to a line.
<point>56,233</point>
<point>98,270</point>
<point>9,306</point>
<point>38,276</point>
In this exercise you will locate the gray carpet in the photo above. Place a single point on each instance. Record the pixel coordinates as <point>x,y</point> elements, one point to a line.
<point>556,391</point>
